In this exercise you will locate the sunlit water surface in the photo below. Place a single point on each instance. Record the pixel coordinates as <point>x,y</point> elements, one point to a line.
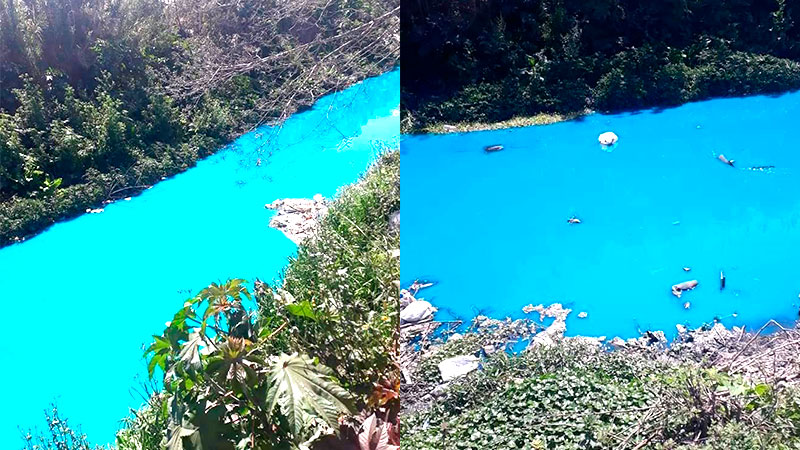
<point>492,228</point>
<point>84,296</point>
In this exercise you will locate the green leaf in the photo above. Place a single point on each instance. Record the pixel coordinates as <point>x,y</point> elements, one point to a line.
<point>302,309</point>
<point>762,389</point>
<point>304,389</point>
<point>190,352</point>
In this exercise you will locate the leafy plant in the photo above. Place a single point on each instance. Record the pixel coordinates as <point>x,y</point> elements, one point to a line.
<point>224,386</point>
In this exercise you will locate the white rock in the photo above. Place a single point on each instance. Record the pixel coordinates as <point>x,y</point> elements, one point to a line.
<point>608,138</point>
<point>457,366</point>
<point>455,337</point>
<point>417,311</point>
<point>617,342</point>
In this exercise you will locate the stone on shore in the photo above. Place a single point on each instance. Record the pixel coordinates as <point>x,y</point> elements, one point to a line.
<point>394,222</point>
<point>556,330</point>
<point>417,311</point>
<point>458,366</point>
<point>298,217</point>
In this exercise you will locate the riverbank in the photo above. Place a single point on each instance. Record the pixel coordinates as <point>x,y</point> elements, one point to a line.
<point>109,119</point>
<point>335,301</point>
<point>711,387</point>
<point>495,62</point>
<point>408,126</point>
<point>155,251</point>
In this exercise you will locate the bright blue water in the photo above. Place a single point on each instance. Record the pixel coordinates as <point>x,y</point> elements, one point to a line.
<point>492,228</point>
<point>82,297</point>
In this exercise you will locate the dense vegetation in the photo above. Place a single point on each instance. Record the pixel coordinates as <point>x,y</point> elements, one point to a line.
<point>573,395</point>
<point>493,60</point>
<point>307,362</point>
<point>101,98</point>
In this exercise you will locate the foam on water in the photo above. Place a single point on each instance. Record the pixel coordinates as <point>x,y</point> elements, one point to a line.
<point>491,228</point>
<point>84,296</point>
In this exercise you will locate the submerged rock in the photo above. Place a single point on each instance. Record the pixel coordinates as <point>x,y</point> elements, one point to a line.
<point>458,366</point>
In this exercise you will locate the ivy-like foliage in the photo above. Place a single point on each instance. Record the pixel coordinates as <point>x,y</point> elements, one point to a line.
<point>573,396</point>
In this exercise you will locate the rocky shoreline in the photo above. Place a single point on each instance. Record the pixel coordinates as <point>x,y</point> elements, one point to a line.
<point>298,217</point>
<point>772,352</point>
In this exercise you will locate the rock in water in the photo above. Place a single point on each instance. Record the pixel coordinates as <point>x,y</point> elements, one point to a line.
<point>457,366</point>
<point>608,138</point>
<point>417,312</point>
<point>298,217</point>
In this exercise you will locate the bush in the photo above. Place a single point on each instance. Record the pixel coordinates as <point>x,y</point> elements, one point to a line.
<point>348,274</point>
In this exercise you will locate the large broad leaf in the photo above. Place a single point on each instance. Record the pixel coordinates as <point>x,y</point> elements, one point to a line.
<point>304,390</point>
<point>190,352</point>
<point>374,437</point>
<point>302,309</point>
<point>198,426</point>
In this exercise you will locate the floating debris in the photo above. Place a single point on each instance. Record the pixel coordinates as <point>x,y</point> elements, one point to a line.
<point>573,220</point>
<point>583,315</point>
<point>721,280</point>
<point>768,169</point>
<point>677,289</point>
<point>727,161</point>
<point>687,305</point>
<point>493,148</point>
<point>608,138</point>
<point>687,269</point>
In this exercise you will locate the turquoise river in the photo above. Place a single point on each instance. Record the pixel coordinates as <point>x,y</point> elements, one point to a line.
<point>87,294</point>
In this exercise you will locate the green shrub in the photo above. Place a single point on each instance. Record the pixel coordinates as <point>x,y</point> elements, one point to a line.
<point>346,271</point>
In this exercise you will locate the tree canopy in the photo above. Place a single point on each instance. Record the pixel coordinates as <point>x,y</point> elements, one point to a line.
<point>492,60</point>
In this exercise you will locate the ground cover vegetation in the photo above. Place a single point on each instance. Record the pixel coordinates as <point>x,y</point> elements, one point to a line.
<point>709,389</point>
<point>497,60</point>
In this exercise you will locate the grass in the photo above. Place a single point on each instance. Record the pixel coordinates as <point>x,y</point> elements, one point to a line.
<point>349,271</point>
<point>515,122</point>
